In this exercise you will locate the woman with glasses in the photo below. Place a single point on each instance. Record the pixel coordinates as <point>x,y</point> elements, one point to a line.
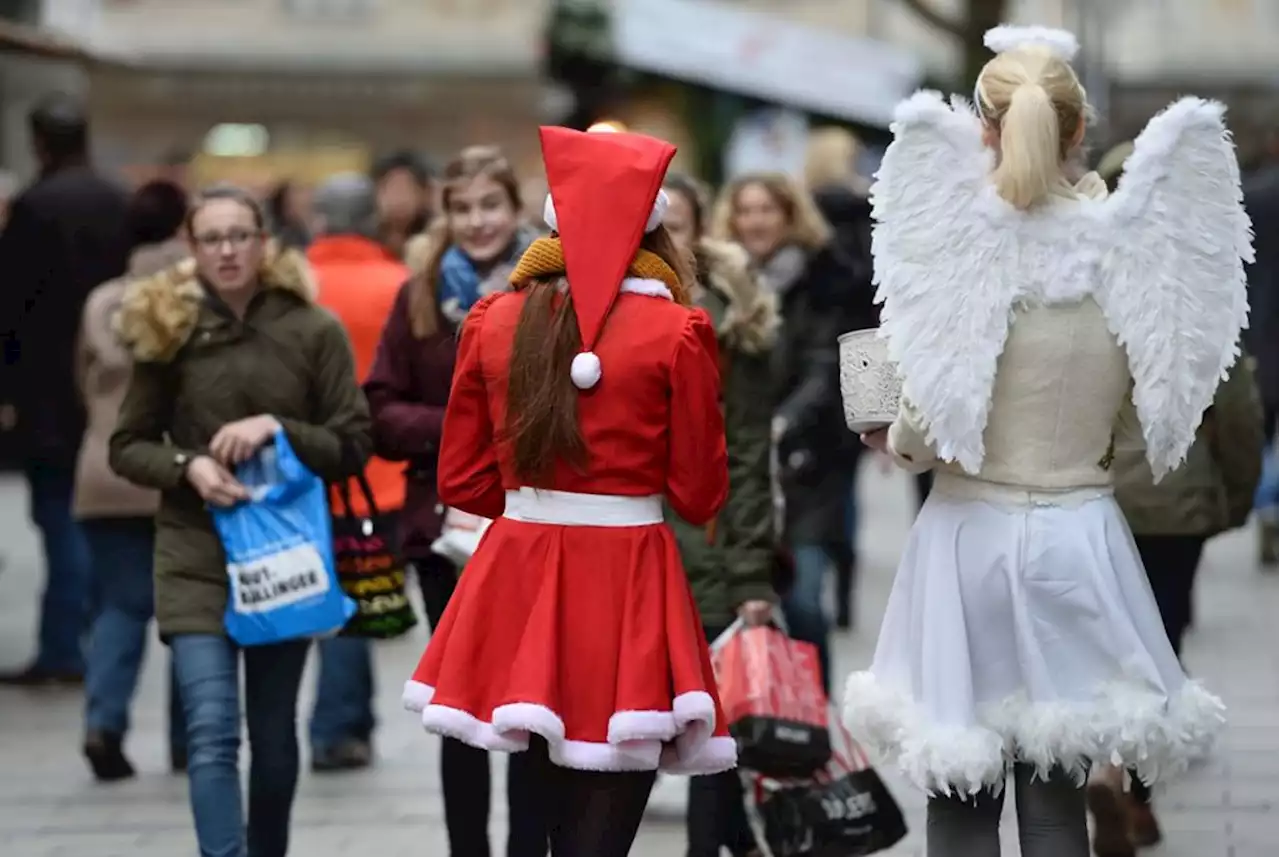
<point>228,349</point>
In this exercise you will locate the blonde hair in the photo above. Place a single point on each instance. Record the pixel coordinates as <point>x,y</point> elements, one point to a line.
<point>470,163</point>
<point>830,157</point>
<point>1037,103</point>
<point>805,224</point>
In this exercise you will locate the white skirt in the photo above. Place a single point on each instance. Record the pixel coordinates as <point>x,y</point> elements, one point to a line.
<point>1021,628</point>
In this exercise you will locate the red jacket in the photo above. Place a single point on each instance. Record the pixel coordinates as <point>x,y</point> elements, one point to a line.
<point>358,282</point>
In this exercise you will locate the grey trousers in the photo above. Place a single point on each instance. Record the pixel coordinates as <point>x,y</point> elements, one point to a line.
<point>1051,820</point>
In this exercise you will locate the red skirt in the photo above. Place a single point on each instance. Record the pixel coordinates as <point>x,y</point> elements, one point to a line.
<point>586,635</point>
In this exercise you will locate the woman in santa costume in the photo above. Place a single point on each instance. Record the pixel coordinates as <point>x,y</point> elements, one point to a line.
<point>580,401</point>
<point>1034,323</point>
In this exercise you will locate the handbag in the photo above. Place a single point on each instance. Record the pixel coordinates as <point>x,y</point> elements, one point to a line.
<point>370,571</point>
<point>843,810</point>
<point>771,692</point>
<point>279,550</point>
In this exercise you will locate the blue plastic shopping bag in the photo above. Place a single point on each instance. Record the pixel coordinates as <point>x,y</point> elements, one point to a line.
<point>279,546</point>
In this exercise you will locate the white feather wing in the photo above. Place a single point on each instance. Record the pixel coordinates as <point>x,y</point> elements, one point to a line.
<point>1173,284</point>
<point>937,266</point>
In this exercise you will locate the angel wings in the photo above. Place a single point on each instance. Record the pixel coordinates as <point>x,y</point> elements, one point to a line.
<point>1163,256</point>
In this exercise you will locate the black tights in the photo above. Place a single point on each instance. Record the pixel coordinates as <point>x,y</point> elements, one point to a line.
<point>578,813</point>
<point>464,770</point>
<point>589,813</point>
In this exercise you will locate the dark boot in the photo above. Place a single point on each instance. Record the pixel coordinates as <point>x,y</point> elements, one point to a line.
<point>105,753</point>
<point>34,676</point>
<point>348,755</point>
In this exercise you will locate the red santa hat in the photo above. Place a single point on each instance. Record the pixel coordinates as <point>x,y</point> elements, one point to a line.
<point>605,194</point>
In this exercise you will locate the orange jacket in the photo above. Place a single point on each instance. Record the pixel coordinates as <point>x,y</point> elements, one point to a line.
<point>358,282</point>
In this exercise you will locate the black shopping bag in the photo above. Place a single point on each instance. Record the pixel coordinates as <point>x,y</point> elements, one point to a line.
<point>370,570</point>
<point>842,811</point>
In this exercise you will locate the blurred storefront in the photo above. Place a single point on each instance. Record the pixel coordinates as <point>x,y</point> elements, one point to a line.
<point>694,71</point>
<point>328,83</point>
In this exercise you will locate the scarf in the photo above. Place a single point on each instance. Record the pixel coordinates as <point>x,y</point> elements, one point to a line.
<point>783,269</point>
<point>545,258</point>
<point>461,285</point>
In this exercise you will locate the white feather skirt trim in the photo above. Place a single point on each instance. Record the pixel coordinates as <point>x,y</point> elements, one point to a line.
<point>1025,633</point>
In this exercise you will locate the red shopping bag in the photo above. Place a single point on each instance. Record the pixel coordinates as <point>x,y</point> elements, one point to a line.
<point>771,692</point>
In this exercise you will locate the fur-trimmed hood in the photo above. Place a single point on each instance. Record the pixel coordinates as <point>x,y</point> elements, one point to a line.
<point>158,313</point>
<point>750,323</point>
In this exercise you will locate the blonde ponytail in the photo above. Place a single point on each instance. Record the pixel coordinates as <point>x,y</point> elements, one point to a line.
<point>1030,148</point>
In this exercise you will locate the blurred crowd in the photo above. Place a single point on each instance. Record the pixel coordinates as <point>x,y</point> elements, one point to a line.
<point>398,256</point>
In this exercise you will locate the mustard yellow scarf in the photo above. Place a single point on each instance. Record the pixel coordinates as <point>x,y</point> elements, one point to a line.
<point>545,258</point>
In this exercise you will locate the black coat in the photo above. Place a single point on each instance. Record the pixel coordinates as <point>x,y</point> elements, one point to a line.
<point>1260,339</point>
<point>818,452</point>
<point>66,235</point>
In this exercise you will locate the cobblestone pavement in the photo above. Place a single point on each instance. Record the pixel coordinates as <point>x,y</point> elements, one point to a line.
<point>49,807</point>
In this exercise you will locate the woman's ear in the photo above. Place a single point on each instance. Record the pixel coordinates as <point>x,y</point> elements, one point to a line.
<point>1078,137</point>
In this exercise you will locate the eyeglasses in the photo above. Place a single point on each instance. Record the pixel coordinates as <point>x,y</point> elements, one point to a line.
<point>211,242</point>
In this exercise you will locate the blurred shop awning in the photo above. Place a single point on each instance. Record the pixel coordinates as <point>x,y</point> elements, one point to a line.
<point>26,40</point>
<point>720,46</point>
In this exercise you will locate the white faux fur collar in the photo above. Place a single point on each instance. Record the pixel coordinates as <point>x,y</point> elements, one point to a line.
<point>652,288</point>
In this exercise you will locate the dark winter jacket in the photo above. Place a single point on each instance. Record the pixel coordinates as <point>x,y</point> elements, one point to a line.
<point>1213,489</point>
<point>1260,201</point>
<point>408,388</point>
<point>731,560</point>
<point>817,453</point>
<point>197,367</point>
<point>65,236</point>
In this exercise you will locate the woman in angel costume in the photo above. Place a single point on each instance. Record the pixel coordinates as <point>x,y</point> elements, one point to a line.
<point>1031,321</point>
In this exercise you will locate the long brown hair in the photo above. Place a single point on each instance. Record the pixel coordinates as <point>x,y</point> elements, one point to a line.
<point>541,422</point>
<point>471,163</point>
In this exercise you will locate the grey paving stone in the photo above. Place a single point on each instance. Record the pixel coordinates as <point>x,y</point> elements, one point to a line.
<point>49,807</point>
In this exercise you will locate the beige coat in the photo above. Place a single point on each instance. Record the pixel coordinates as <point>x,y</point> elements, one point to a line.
<point>104,367</point>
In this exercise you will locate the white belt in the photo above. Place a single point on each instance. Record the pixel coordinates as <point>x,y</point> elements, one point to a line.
<point>567,508</point>
<point>957,487</point>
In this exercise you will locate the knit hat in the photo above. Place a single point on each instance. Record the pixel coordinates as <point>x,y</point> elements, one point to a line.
<point>605,195</point>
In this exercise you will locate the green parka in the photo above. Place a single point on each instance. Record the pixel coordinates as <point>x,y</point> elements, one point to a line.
<point>1213,489</point>
<point>198,367</point>
<point>730,561</point>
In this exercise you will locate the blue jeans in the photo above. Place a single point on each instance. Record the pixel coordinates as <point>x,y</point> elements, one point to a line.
<point>1268,494</point>
<point>802,605</point>
<point>120,560</point>
<point>207,667</point>
<point>64,609</point>
<point>343,708</point>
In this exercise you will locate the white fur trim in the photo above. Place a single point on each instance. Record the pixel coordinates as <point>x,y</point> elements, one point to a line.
<point>1125,723</point>
<point>1006,37</point>
<point>716,755</point>
<point>641,726</point>
<point>528,718</point>
<point>628,748</point>
<point>659,211</point>
<point>585,370</point>
<point>651,288</point>
<point>416,695</point>
<point>1163,256</point>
